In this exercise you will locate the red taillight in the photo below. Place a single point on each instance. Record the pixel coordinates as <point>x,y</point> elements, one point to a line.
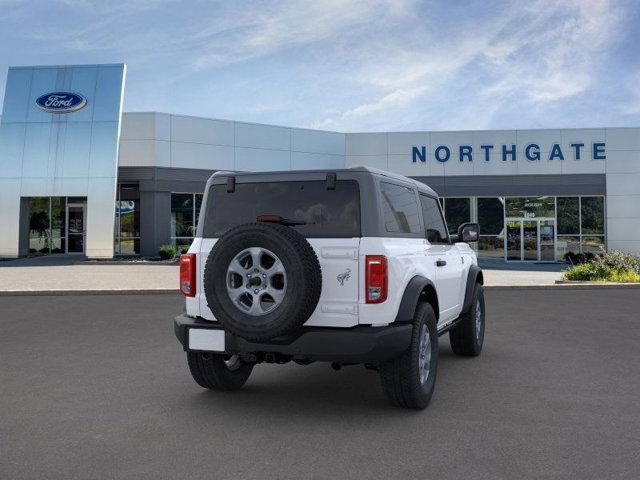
<point>376,278</point>
<point>188,274</point>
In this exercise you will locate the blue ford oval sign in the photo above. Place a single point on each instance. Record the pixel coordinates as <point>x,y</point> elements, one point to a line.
<point>61,102</point>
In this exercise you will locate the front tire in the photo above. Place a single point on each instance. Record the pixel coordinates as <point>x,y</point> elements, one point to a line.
<point>218,372</point>
<point>467,337</point>
<point>409,380</point>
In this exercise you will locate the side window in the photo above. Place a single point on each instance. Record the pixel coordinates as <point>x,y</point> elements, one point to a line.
<point>400,209</point>
<point>433,221</point>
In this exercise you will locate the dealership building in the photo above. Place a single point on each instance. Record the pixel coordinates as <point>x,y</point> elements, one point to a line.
<point>79,176</point>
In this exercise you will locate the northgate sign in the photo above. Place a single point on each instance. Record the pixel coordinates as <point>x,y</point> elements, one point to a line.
<point>531,152</point>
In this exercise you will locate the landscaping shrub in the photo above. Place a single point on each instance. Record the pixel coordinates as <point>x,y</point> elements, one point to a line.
<point>578,258</point>
<point>615,266</point>
<point>167,252</point>
<point>617,260</point>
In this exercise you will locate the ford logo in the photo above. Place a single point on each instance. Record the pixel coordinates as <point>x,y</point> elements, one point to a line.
<point>61,102</point>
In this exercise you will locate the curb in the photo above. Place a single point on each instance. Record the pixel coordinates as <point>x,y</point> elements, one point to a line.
<point>565,286</point>
<point>156,291</point>
<point>121,262</point>
<point>522,287</point>
<point>578,283</point>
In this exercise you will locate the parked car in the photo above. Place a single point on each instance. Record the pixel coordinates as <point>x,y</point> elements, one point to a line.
<point>352,266</point>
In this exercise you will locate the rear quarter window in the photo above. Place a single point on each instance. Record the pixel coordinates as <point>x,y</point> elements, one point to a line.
<point>400,209</point>
<point>327,213</point>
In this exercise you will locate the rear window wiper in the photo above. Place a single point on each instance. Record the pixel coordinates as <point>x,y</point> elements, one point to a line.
<point>279,219</point>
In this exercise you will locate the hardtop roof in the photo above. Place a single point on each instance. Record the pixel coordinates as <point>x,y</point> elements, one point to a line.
<point>356,169</point>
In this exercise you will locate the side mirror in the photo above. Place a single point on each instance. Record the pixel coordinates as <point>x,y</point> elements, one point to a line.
<point>469,232</point>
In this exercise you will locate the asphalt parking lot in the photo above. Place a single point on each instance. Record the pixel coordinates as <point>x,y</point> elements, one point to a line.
<point>97,387</point>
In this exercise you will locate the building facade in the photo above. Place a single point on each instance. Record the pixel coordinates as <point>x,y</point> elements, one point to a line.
<point>59,138</point>
<point>537,194</point>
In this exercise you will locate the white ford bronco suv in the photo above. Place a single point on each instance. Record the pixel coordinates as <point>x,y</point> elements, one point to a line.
<point>347,266</point>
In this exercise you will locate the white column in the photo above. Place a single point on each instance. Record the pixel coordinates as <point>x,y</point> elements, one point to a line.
<point>623,189</point>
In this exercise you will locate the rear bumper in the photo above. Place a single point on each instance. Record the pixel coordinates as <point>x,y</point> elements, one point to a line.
<point>361,344</point>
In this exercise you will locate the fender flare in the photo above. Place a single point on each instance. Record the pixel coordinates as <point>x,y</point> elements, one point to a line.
<point>410,298</point>
<point>474,276</point>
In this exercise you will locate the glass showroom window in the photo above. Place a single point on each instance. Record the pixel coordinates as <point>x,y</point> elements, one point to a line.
<point>592,224</point>
<point>530,207</point>
<point>580,225</point>
<point>58,221</point>
<point>39,225</point>
<point>491,221</point>
<point>127,228</point>
<point>185,210</point>
<point>568,226</point>
<point>456,212</point>
<point>47,225</point>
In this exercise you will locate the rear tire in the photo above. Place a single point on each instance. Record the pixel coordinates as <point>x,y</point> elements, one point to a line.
<point>218,372</point>
<point>467,337</point>
<point>403,379</point>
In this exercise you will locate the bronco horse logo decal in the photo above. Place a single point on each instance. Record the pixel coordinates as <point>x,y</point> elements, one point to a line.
<point>343,277</point>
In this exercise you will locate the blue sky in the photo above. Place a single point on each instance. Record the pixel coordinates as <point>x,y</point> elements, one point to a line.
<point>351,65</point>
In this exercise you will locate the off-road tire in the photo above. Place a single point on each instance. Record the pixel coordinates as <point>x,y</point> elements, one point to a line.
<point>210,371</point>
<point>465,338</point>
<point>304,280</point>
<point>401,377</point>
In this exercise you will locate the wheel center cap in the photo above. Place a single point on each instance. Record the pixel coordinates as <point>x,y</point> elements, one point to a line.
<point>255,281</point>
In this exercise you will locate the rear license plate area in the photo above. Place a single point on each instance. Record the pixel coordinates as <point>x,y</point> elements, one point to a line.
<point>209,340</point>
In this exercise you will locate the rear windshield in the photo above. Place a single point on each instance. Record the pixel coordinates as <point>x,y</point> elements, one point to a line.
<point>326,213</point>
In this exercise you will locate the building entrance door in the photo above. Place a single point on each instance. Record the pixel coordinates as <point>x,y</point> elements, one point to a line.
<point>76,220</point>
<point>532,240</point>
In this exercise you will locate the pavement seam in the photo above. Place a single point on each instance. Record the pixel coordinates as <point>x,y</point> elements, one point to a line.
<point>175,291</point>
<point>141,291</point>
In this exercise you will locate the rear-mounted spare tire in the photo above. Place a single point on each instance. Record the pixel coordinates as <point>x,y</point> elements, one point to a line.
<point>262,280</point>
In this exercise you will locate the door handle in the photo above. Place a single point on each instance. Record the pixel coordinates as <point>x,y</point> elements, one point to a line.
<point>441,263</point>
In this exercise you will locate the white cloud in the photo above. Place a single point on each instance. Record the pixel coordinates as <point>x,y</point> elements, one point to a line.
<point>353,64</point>
<point>398,98</point>
<point>534,55</point>
<point>551,56</point>
<point>631,104</point>
<point>281,25</point>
